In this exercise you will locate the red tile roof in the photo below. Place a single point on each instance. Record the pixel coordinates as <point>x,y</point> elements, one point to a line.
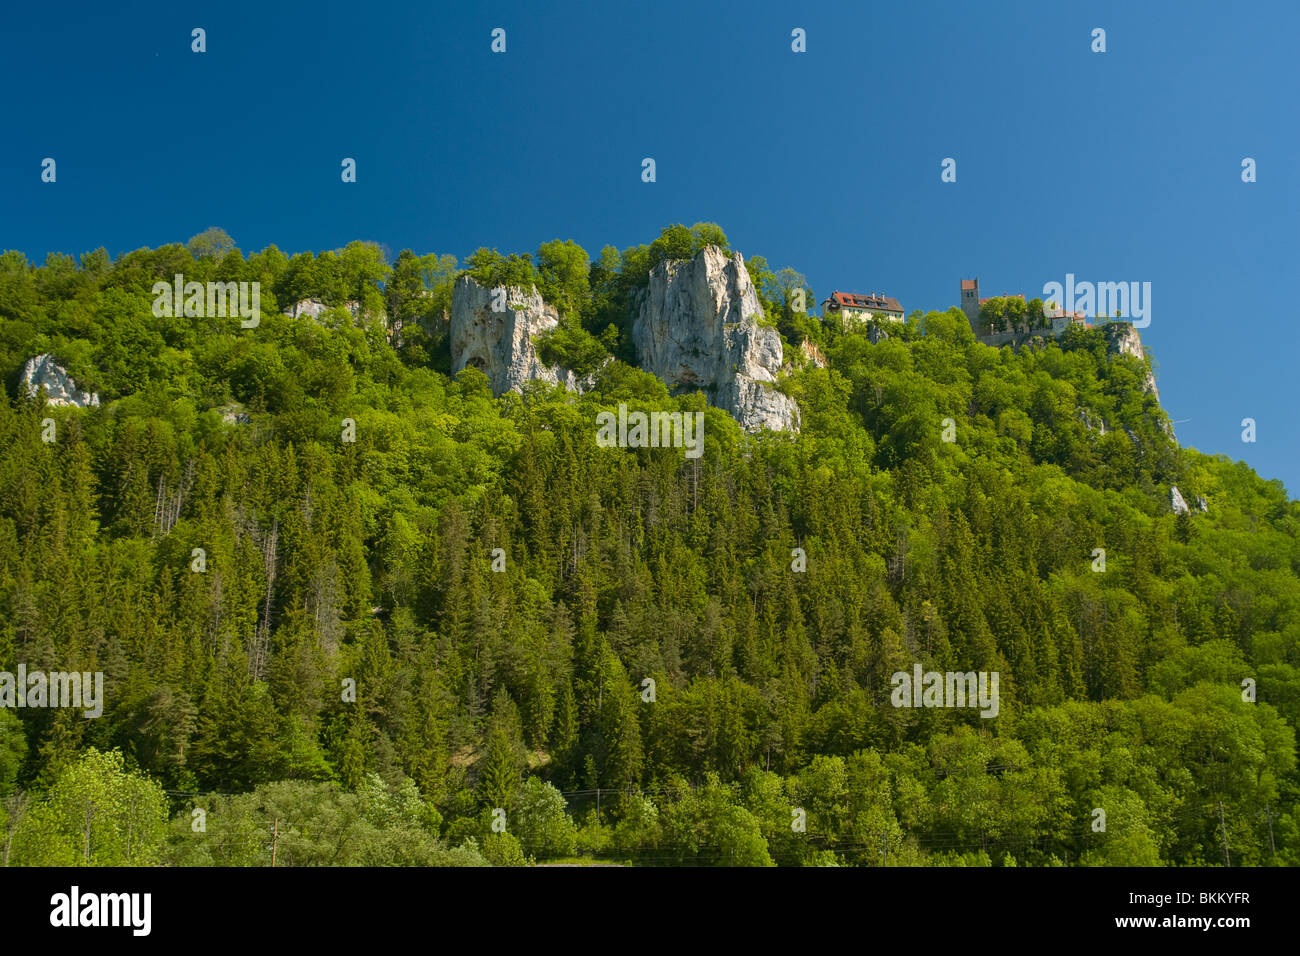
<point>969,284</point>
<point>857,300</point>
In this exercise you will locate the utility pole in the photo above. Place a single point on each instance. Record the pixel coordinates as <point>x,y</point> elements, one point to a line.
<point>275,837</point>
<point>1268,814</point>
<point>1227,860</point>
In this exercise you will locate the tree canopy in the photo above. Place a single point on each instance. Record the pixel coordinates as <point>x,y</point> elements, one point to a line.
<point>457,605</point>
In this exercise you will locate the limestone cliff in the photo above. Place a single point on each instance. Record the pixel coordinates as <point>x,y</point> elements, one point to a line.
<point>808,354</point>
<point>1123,339</point>
<point>315,308</point>
<point>500,342</point>
<point>697,327</point>
<point>43,372</point>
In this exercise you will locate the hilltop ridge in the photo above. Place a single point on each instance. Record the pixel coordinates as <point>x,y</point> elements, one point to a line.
<point>323,571</point>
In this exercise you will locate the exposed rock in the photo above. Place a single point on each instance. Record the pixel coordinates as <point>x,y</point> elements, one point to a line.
<point>1176,501</point>
<point>1092,421</point>
<point>1202,504</point>
<point>808,354</point>
<point>501,343</point>
<point>697,327</point>
<point>233,414</point>
<point>312,308</point>
<point>876,332</point>
<point>43,372</point>
<point>1123,339</point>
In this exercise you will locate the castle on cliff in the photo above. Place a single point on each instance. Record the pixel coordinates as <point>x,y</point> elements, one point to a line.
<point>1018,321</point>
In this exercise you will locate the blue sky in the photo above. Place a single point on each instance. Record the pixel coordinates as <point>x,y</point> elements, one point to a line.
<point>1115,166</point>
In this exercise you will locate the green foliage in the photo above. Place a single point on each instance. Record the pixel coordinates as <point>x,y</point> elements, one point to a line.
<point>371,561</point>
<point>503,849</point>
<point>490,269</point>
<point>97,813</point>
<point>297,823</point>
<point>439,275</point>
<point>714,827</point>
<point>766,285</point>
<point>572,347</point>
<point>678,242</point>
<point>405,290</point>
<point>708,234</point>
<point>1003,314</point>
<point>13,751</point>
<point>502,761</point>
<point>562,268</point>
<point>211,243</point>
<point>674,242</point>
<point>791,301</point>
<point>543,828</point>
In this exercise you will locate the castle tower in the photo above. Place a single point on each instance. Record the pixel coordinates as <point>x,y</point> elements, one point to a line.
<point>970,300</point>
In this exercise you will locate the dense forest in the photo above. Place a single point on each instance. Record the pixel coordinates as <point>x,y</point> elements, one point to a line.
<point>389,619</point>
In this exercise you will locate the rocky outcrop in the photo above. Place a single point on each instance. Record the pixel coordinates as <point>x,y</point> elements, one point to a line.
<point>1122,338</point>
<point>43,372</point>
<point>1202,504</point>
<point>233,414</point>
<point>312,308</point>
<point>1091,420</point>
<point>808,354</point>
<point>1176,501</point>
<point>697,328</point>
<point>495,330</point>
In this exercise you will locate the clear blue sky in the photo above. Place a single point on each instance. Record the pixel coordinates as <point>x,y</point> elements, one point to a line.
<point>1117,166</point>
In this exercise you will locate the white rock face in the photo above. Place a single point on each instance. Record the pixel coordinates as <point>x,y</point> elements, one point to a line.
<point>813,354</point>
<point>501,343</point>
<point>1202,504</point>
<point>312,308</point>
<point>233,414</point>
<point>1124,340</point>
<point>1176,501</point>
<point>1091,420</point>
<point>697,327</point>
<point>60,389</point>
<point>807,354</point>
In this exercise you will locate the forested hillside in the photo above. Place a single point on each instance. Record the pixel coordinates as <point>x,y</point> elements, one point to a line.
<point>497,589</point>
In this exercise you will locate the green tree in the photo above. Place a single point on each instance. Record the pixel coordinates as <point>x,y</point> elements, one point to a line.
<point>708,234</point>
<point>211,243</point>
<point>674,242</point>
<point>562,269</point>
<point>541,823</point>
<point>97,813</point>
<point>13,751</point>
<point>502,760</point>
